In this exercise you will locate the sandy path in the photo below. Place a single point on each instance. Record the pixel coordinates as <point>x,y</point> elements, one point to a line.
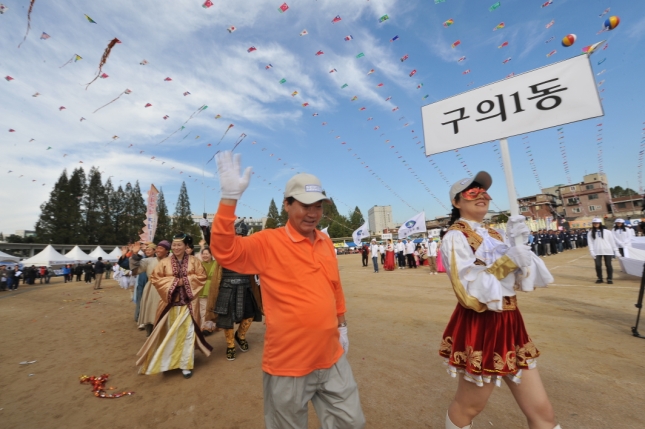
<point>592,367</point>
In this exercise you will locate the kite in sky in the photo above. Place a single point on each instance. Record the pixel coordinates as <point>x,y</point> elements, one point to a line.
<point>348,38</point>
<point>332,70</point>
<point>304,32</point>
<point>294,93</point>
<point>602,61</point>
<point>3,8</point>
<point>319,53</point>
<point>104,76</point>
<point>550,24</point>
<point>207,4</point>
<point>394,38</point>
<point>547,3</point>
<point>455,44</point>
<point>218,116</point>
<point>231,29</point>
<point>499,26</point>
<point>61,108</point>
<point>336,19</point>
<point>148,105</point>
<point>143,62</point>
<point>404,57</point>
<point>466,71</point>
<point>220,140</point>
<point>167,79</point>
<point>305,104</point>
<point>412,73</point>
<point>502,45</point>
<point>362,108</point>
<point>104,58</point>
<point>379,85</point>
<point>344,86</point>
<point>36,94</point>
<point>74,58</point>
<point>495,6</point>
<point>268,66</point>
<point>354,98</point>
<point>419,86</point>
<point>506,60</point>
<point>605,12</point>
<point>165,117</point>
<point>31,7</point>
<point>510,75</point>
<point>551,53</point>
<point>461,59</point>
<point>383,18</point>
<point>90,20</point>
<point>283,8</point>
<point>186,93</point>
<point>251,49</point>
<point>283,81</point>
<point>448,23</point>
<point>11,130</point>
<point>361,55</point>
<point>425,96</point>
<point>389,98</point>
<point>8,78</point>
<point>550,39</point>
<point>44,36</point>
<point>370,72</point>
<point>126,92</point>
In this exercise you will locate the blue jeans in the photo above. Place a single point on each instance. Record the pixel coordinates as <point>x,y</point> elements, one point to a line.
<point>375,261</point>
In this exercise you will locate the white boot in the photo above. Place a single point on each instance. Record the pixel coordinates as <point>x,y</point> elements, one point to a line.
<point>451,425</point>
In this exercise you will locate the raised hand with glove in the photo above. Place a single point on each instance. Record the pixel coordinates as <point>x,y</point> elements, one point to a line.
<point>232,184</point>
<point>516,227</point>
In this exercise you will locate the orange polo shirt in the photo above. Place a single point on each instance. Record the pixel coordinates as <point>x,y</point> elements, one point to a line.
<point>301,292</point>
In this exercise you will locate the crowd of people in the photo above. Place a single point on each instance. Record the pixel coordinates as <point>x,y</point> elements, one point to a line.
<point>402,254</point>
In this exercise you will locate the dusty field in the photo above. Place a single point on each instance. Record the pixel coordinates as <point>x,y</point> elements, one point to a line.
<point>591,365</point>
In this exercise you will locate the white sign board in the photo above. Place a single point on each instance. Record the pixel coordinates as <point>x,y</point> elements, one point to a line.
<point>557,94</point>
<point>386,236</point>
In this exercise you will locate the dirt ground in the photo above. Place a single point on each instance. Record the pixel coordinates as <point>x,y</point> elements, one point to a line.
<point>591,365</point>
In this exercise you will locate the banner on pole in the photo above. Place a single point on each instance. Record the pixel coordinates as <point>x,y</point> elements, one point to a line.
<point>415,225</point>
<point>360,233</point>
<point>554,95</point>
<point>150,224</point>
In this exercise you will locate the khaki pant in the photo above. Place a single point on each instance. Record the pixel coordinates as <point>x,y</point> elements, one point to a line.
<point>432,261</point>
<point>333,393</point>
<point>97,282</point>
<point>206,325</point>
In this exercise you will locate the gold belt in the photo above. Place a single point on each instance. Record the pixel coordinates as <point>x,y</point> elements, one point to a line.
<point>510,303</point>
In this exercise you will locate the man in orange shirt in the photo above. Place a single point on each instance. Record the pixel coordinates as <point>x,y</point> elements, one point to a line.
<point>306,333</point>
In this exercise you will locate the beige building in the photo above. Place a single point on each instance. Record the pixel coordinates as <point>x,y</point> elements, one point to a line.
<point>379,218</point>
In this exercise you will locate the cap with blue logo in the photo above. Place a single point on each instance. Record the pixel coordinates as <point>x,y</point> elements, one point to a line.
<point>305,188</point>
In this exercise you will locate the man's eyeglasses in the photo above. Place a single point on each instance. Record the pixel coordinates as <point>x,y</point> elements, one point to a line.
<point>474,193</point>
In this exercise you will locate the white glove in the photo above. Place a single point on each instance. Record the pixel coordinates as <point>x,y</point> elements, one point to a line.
<point>232,185</point>
<point>517,230</point>
<point>617,253</point>
<point>593,257</point>
<point>520,255</point>
<point>514,220</point>
<point>344,341</point>
<point>204,222</point>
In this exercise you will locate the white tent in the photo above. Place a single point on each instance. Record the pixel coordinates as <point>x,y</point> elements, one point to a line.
<point>49,256</point>
<point>100,252</point>
<point>8,258</point>
<point>633,261</point>
<point>116,253</point>
<point>79,256</point>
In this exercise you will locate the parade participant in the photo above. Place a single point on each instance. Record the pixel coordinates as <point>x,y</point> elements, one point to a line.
<point>364,252</point>
<point>306,330</point>
<point>622,236</point>
<point>409,253</point>
<point>213,272</point>
<point>432,256</point>
<point>142,277</point>
<point>399,248</point>
<point>381,250</point>
<point>602,246</point>
<point>485,339</point>
<point>150,300</point>
<point>171,345</point>
<point>233,298</point>
<point>374,249</point>
<point>389,256</point>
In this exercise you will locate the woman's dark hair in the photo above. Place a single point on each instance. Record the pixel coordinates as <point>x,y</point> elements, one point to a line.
<point>206,249</point>
<point>599,229</point>
<point>455,214</point>
<point>623,227</point>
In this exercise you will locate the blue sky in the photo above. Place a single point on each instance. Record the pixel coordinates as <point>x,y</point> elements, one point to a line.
<point>191,45</point>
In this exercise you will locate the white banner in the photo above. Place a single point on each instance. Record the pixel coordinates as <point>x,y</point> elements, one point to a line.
<point>554,95</point>
<point>386,236</point>
<point>360,233</point>
<point>150,223</point>
<point>413,226</point>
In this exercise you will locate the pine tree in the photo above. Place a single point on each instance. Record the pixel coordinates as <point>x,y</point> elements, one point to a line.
<point>117,205</point>
<point>51,224</point>
<point>92,210</point>
<point>138,212</point>
<point>164,228</point>
<point>273,218</point>
<point>76,190</point>
<point>106,226</point>
<point>182,218</point>
<point>284,216</point>
<point>356,219</point>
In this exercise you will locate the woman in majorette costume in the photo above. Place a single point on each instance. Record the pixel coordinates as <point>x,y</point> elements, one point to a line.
<point>485,339</point>
<point>389,256</point>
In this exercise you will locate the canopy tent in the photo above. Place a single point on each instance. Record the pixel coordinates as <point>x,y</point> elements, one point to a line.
<point>116,253</point>
<point>8,258</point>
<point>633,261</point>
<point>78,255</point>
<point>98,252</point>
<point>48,257</point>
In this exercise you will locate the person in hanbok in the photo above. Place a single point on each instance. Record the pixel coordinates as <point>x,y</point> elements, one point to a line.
<point>171,345</point>
<point>485,341</point>
<point>389,264</point>
<point>149,302</point>
<point>213,272</point>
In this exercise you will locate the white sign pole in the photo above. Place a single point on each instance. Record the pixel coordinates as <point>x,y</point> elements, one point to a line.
<point>510,182</point>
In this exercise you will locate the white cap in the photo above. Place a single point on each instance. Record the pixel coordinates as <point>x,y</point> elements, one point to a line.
<point>619,220</point>
<point>596,220</point>
<point>482,178</point>
<point>305,188</point>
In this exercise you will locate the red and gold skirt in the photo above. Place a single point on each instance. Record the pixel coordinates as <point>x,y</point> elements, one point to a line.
<point>487,346</point>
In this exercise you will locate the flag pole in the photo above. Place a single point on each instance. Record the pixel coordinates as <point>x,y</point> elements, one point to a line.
<point>510,182</point>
